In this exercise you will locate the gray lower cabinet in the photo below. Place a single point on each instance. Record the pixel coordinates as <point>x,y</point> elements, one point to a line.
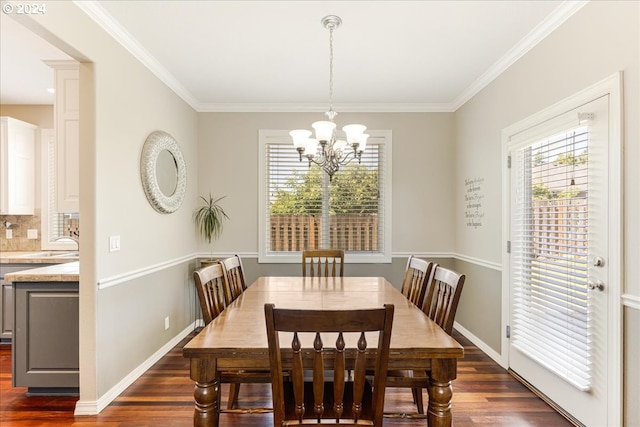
<point>45,338</point>
<point>6,311</point>
<point>6,298</point>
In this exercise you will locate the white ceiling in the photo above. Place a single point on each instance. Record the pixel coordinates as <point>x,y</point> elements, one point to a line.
<point>274,55</point>
<point>24,77</point>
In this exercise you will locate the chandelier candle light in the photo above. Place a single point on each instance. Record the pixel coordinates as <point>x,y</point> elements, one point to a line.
<point>325,150</point>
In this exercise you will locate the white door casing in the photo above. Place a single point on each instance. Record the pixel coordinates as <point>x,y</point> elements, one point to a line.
<point>601,404</point>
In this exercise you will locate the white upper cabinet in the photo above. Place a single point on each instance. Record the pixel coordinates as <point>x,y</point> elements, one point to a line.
<point>17,167</point>
<point>66,118</point>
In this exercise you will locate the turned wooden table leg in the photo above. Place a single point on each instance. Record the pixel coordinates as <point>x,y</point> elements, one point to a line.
<point>206,392</point>
<point>443,371</point>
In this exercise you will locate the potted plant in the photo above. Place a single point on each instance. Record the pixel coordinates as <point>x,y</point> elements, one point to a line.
<point>209,219</point>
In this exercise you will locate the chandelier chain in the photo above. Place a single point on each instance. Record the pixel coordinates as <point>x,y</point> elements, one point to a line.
<point>331,114</point>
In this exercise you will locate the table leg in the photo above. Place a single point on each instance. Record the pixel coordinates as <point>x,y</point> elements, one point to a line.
<point>443,371</point>
<point>206,392</point>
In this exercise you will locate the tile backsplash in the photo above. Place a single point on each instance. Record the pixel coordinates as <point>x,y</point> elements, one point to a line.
<point>20,224</point>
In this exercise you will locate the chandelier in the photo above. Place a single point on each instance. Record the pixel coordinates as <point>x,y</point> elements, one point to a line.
<point>326,150</point>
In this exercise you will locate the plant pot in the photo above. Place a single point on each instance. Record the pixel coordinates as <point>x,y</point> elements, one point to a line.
<point>205,262</point>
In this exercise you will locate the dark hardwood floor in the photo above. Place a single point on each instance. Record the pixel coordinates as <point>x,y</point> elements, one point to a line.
<point>484,395</point>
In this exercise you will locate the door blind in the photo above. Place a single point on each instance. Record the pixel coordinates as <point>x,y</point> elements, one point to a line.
<point>549,253</point>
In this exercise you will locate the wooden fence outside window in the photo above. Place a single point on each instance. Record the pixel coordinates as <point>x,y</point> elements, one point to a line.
<point>561,227</point>
<point>291,233</point>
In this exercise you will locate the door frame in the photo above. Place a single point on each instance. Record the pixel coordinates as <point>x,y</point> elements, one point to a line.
<point>611,86</point>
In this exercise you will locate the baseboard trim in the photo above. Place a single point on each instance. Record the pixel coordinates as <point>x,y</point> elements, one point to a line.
<point>94,407</point>
<point>497,357</point>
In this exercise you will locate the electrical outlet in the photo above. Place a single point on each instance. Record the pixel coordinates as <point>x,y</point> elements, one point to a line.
<point>32,233</point>
<point>166,323</point>
<point>9,234</point>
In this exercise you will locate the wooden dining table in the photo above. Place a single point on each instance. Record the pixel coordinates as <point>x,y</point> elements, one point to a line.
<point>237,338</point>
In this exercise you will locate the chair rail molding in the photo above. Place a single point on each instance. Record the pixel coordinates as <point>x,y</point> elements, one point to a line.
<point>145,271</point>
<point>631,301</point>
<point>481,262</point>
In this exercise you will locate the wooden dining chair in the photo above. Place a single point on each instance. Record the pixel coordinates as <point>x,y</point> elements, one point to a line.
<point>234,273</point>
<point>323,263</point>
<point>356,402</point>
<point>236,285</point>
<point>443,296</point>
<point>211,286</point>
<point>415,281</point>
<point>440,305</point>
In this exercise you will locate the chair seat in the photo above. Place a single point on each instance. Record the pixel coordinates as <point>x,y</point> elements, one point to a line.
<point>329,414</point>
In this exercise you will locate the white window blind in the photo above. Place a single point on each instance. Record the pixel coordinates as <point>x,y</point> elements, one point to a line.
<point>304,209</point>
<point>549,250</point>
<point>55,219</point>
<point>54,224</point>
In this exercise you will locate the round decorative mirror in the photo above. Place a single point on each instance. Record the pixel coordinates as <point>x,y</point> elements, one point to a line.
<point>167,173</point>
<point>163,172</point>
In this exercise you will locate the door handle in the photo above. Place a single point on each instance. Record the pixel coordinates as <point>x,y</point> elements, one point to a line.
<point>595,285</point>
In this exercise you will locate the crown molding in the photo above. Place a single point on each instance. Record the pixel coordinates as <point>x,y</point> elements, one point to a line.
<point>104,19</point>
<point>320,108</point>
<point>560,14</point>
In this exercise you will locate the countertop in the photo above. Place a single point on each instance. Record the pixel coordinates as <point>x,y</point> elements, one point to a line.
<point>66,272</point>
<point>37,257</point>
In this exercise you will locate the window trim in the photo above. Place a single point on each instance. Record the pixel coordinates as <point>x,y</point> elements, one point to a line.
<point>271,136</point>
<point>47,138</point>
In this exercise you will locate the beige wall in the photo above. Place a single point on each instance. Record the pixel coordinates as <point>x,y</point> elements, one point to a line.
<point>598,41</point>
<point>422,174</point>
<point>39,115</point>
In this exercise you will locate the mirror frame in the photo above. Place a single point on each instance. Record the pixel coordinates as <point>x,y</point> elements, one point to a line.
<point>155,143</point>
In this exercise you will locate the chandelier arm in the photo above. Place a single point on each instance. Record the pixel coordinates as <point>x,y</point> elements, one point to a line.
<point>347,158</point>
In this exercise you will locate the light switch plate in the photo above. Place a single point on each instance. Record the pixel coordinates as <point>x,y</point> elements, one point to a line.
<point>9,234</point>
<point>114,243</point>
<point>32,233</point>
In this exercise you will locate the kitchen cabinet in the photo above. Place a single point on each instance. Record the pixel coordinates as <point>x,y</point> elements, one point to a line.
<point>66,113</point>
<point>45,352</point>
<point>6,311</point>
<point>45,347</point>
<point>7,300</point>
<point>17,167</point>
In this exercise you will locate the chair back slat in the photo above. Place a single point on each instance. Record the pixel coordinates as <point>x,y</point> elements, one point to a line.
<point>211,286</point>
<point>323,263</point>
<point>234,273</point>
<point>349,403</point>
<point>416,278</point>
<point>443,295</point>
